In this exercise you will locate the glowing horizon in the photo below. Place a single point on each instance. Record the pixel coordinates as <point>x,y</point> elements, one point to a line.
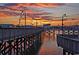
<point>10,13</point>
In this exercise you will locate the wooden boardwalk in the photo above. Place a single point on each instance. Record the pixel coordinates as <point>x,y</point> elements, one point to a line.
<point>49,46</point>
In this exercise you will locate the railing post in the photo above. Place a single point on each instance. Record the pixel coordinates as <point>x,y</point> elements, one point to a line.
<point>24,46</point>
<point>0,47</point>
<point>21,45</point>
<point>4,47</point>
<point>16,46</point>
<point>10,47</point>
<point>64,52</point>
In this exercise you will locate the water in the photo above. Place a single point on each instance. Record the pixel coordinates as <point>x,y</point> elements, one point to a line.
<point>49,46</point>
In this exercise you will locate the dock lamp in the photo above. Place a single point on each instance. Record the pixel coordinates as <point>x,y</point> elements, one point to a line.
<point>64,15</point>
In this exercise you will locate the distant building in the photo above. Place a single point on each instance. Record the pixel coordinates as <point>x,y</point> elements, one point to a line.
<point>46,24</point>
<point>7,26</point>
<point>27,26</point>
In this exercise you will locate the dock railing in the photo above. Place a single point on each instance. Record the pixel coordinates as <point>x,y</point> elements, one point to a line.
<point>70,43</point>
<point>20,41</point>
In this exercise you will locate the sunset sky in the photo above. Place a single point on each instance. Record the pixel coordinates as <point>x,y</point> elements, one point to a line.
<point>47,12</point>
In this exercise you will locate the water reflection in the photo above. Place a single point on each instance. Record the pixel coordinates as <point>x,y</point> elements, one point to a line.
<point>49,46</point>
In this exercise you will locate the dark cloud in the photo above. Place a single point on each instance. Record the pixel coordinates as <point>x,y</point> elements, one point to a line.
<point>10,4</point>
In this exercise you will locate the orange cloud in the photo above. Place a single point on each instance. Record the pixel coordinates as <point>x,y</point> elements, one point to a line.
<point>30,12</point>
<point>41,4</point>
<point>36,5</point>
<point>3,15</point>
